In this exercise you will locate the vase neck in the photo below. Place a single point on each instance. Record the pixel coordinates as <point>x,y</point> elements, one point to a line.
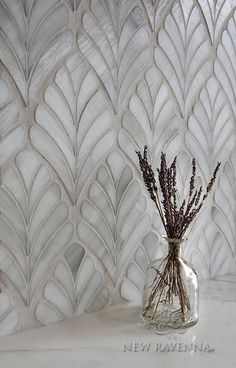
<point>174,250</point>
<point>174,246</point>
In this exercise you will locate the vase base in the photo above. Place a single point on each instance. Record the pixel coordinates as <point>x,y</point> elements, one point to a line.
<point>168,320</point>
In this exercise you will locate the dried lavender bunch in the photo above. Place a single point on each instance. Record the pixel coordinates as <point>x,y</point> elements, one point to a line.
<point>150,181</point>
<point>176,220</point>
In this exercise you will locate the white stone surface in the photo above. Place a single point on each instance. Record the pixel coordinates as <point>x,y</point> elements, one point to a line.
<point>97,339</point>
<point>83,84</point>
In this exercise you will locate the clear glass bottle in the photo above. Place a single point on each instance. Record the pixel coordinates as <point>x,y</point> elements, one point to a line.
<point>170,297</point>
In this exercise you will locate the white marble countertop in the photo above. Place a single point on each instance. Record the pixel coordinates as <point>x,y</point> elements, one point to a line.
<point>99,339</point>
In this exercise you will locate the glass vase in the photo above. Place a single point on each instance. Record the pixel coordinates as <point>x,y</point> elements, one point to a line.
<point>170,297</point>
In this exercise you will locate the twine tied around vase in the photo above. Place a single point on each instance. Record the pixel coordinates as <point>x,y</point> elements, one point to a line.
<point>174,240</point>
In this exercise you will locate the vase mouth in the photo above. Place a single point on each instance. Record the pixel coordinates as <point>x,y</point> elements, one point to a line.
<point>174,240</point>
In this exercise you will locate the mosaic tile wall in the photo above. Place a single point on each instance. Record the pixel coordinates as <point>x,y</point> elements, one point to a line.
<point>82,85</point>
